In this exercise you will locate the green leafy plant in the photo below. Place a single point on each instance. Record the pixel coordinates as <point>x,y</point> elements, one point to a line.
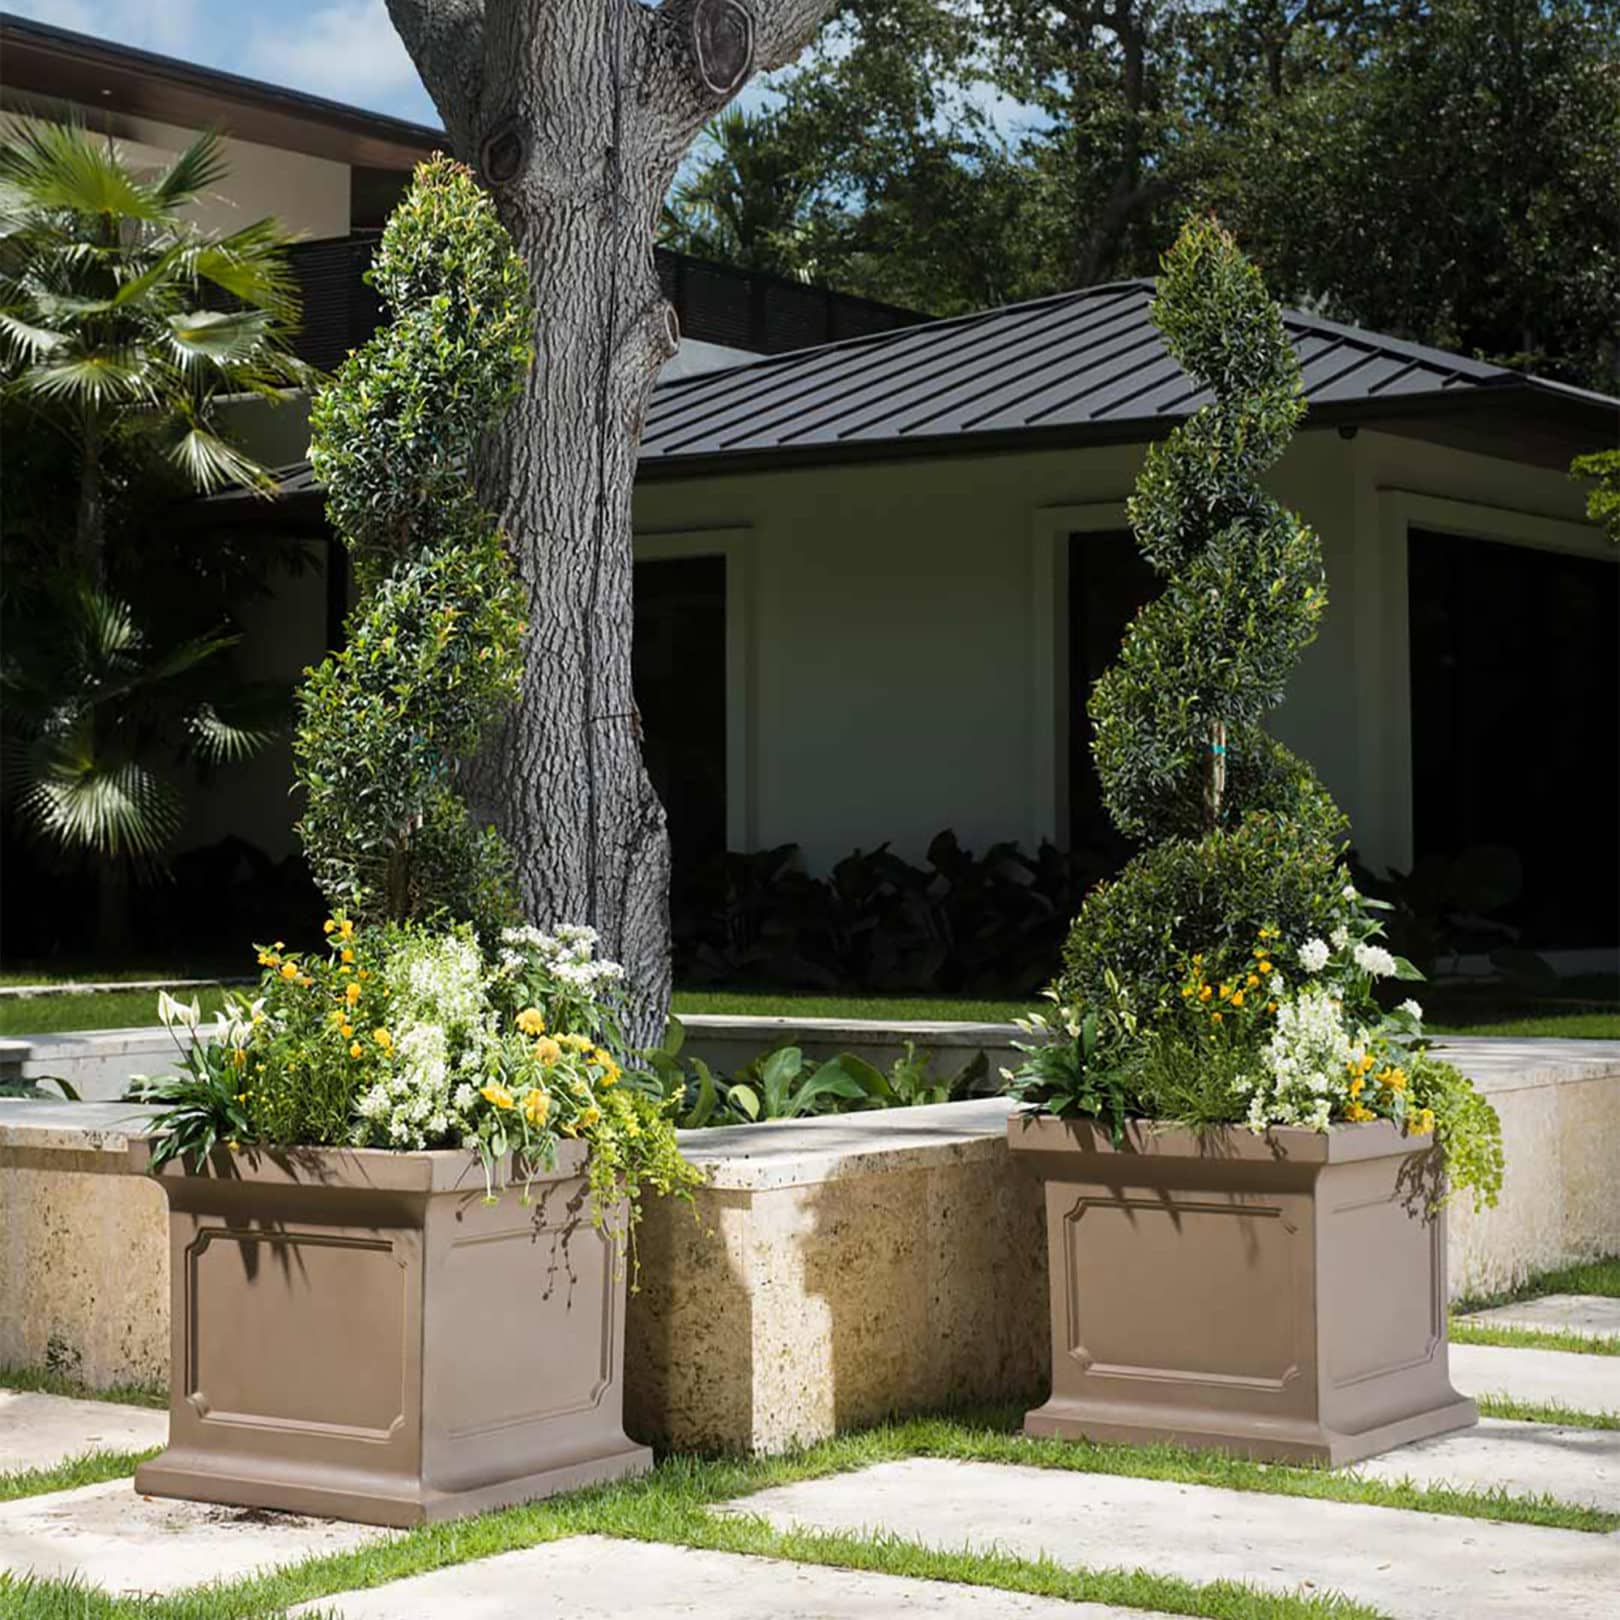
<point>1077,1064</point>
<point>433,650</point>
<point>784,1085</point>
<point>119,317</point>
<point>205,1106</point>
<point>34,1090</point>
<point>1602,470</point>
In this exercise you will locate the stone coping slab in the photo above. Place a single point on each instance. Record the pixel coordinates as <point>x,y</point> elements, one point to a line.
<point>1413,1566</point>
<point>40,1431</point>
<point>1523,1459</point>
<point>594,1578</point>
<point>107,1536</point>
<point>1589,1315</point>
<point>1564,1377</point>
<point>1498,1063</point>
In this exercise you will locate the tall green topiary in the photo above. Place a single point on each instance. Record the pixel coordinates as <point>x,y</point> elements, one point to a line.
<point>1242,835</point>
<point>432,652</point>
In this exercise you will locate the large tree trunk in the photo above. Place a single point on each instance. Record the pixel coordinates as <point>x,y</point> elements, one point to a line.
<point>576,114</point>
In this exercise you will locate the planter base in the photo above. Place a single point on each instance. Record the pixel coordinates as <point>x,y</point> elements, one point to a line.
<point>342,1494</point>
<point>1257,1439</point>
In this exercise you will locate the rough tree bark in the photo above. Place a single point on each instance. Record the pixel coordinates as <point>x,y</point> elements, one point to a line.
<point>576,115</point>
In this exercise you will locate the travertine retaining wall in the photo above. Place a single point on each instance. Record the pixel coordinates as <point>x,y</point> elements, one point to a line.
<point>836,1269</point>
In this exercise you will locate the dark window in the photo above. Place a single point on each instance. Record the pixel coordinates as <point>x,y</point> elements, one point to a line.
<point>1515,659</point>
<point>1108,583</point>
<point>680,678</point>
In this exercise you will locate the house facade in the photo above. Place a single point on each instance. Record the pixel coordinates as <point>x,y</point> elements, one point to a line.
<point>877,575</point>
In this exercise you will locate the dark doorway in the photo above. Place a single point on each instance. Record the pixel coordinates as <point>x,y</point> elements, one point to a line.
<point>680,679</point>
<point>1515,659</point>
<point>1108,583</point>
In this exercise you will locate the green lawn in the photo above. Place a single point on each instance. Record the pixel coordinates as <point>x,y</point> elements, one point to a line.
<point>674,1505</point>
<point>1590,1009</point>
<point>1589,1277</point>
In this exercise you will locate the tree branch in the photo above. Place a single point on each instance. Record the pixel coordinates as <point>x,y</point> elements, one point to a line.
<point>445,39</point>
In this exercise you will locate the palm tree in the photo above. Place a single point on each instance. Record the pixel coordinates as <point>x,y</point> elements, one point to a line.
<point>118,316</point>
<point>123,326</point>
<point>747,205</point>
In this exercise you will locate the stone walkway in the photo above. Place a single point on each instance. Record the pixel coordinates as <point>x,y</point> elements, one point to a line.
<point>1406,1565</point>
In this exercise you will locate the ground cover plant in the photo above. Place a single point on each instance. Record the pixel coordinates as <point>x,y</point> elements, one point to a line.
<point>432,1015</point>
<point>1227,975</point>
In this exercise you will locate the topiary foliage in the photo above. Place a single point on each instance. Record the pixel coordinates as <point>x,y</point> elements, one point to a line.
<point>433,648</point>
<point>1245,834</point>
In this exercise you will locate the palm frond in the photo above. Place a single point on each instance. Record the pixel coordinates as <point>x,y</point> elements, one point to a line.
<point>26,341</point>
<point>212,463</point>
<point>100,378</point>
<point>201,165</point>
<point>77,802</point>
<point>64,166</point>
<point>219,337</point>
<point>187,655</point>
<point>221,741</point>
<point>251,264</point>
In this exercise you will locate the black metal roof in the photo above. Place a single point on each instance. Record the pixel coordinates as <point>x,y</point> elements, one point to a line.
<point>1083,366</point>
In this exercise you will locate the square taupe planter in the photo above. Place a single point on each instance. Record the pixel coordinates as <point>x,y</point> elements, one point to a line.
<point>358,1334</point>
<point>1281,1296</point>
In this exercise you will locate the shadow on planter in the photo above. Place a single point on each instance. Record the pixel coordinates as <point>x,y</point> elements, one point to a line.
<point>357,1333</point>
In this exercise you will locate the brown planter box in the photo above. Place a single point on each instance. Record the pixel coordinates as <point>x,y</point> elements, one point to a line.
<point>358,1334</point>
<point>1279,1296</point>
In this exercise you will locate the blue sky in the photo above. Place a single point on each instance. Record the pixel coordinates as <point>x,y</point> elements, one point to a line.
<point>344,49</point>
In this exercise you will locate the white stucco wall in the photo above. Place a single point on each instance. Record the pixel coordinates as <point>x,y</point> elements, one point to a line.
<point>901,640</point>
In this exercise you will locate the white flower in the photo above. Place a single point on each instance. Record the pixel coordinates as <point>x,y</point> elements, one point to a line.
<point>1374,959</point>
<point>1340,937</point>
<point>1313,955</point>
<point>1411,1008</point>
<point>172,1012</point>
<point>1349,892</point>
<point>1305,1065</point>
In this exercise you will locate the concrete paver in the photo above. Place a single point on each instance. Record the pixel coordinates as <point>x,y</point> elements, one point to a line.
<point>1582,1383</point>
<point>110,1537</point>
<point>1523,1459</point>
<point>1415,1566</point>
<point>1590,1315</point>
<point>593,1578</point>
<point>39,1431</point>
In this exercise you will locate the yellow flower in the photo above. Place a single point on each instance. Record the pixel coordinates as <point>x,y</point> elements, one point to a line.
<point>531,1021</point>
<point>346,928</point>
<point>547,1050</point>
<point>497,1094</point>
<point>1358,1112</point>
<point>1395,1079</point>
<point>1187,990</point>
<point>346,954</point>
<point>365,973</point>
<point>1237,998</point>
<point>382,1038</point>
<point>611,1078</point>
<point>345,971</point>
<point>590,1116</point>
<point>328,926</point>
<point>268,958</point>
<point>1205,993</point>
<point>347,1030</point>
<point>1251,981</point>
<point>1357,1086</point>
<point>1265,967</point>
<point>288,971</point>
<point>351,994</point>
<point>580,1043</point>
<point>536,1106</point>
<point>1226,990</point>
<point>1422,1122</point>
<point>356,1049</point>
<point>1216,1017</point>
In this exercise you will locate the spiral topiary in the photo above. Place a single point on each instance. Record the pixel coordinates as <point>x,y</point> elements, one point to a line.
<point>433,648</point>
<point>1243,835</point>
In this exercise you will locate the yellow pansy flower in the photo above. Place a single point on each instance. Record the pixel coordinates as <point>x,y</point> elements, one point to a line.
<point>531,1021</point>
<point>382,1038</point>
<point>351,994</point>
<point>356,1049</point>
<point>497,1094</point>
<point>288,971</point>
<point>547,1050</point>
<point>536,1106</point>
<point>328,926</point>
<point>346,954</point>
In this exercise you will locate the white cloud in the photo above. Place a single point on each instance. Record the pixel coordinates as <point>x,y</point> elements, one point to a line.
<point>170,26</point>
<point>346,49</point>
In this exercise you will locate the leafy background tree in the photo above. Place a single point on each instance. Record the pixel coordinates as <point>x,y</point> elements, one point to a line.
<point>1439,169</point>
<point>122,329</point>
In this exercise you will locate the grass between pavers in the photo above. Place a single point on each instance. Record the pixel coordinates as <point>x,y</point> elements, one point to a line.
<point>1526,1338</point>
<point>91,1468</point>
<point>1509,1409</point>
<point>43,1381</point>
<point>674,1505</point>
<point>1600,1277</point>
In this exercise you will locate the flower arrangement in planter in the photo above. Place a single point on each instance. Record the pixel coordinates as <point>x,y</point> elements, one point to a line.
<point>1246,1156</point>
<point>357,1308</point>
